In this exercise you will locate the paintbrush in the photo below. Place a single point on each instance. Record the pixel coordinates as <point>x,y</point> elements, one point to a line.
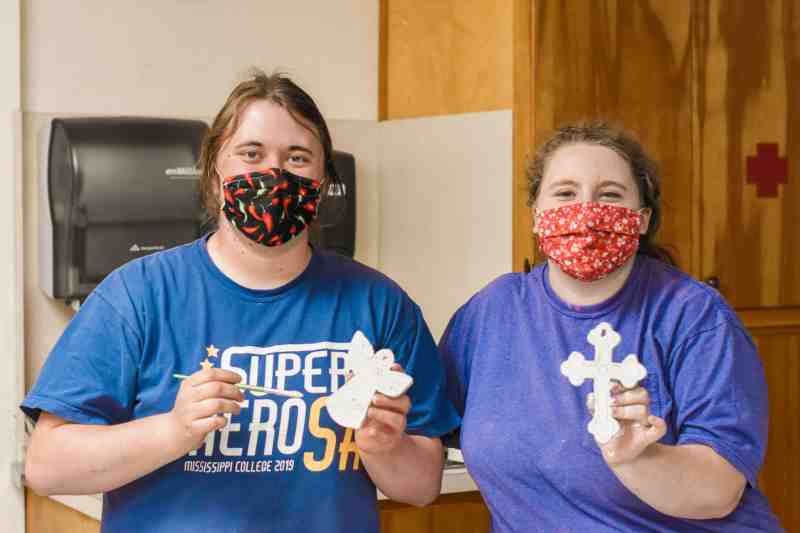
<point>256,388</point>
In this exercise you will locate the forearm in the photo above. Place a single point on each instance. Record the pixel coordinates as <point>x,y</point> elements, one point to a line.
<point>87,459</point>
<point>687,481</point>
<point>411,472</point>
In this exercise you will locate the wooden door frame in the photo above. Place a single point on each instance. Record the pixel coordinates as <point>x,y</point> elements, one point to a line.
<point>523,119</point>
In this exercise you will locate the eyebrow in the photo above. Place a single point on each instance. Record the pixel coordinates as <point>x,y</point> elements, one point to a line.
<point>574,183</point>
<point>258,144</point>
<point>562,182</point>
<point>297,147</point>
<point>246,144</point>
<point>612,183</point>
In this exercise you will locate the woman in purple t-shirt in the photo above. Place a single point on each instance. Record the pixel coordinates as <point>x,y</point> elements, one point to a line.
<point>680,447</point>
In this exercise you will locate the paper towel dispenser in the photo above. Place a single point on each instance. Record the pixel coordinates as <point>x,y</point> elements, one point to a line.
<point>114,189</point>
<point>336,227</point>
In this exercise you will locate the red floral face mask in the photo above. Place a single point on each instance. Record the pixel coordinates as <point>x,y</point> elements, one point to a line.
<point>589,240</point>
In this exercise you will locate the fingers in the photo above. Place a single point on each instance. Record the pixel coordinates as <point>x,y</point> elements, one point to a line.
<point>384,425</point>
<point>203,426</point>
<point>626,404</point>
<point>637,395</point>
<point>394,422</point>
<point>213,374</point>
<point>389,412</point>
<point>217,389</point>
<point>657,429</point>
<point>401,404</point>
<point>204,403</point>
<point>634,413</point>
<point>206,408</point>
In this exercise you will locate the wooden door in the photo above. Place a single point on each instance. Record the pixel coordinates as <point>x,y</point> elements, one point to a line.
<point>627,62</point>
<point>748,149</point>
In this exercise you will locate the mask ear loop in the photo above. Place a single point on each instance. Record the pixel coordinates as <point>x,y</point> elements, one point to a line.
<point>333,195</point>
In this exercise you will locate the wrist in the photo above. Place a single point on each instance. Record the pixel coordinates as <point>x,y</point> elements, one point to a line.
<point>168,435</point>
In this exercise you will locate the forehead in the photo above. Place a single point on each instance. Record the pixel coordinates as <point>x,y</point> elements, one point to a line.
<point>269,123</point>
<point>587,163</point>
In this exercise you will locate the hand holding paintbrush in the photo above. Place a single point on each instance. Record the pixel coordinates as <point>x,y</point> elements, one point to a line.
<point>202,401</point>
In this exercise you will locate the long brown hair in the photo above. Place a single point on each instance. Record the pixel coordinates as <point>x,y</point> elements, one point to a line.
<point>276,88</point>
<point>643,168</point>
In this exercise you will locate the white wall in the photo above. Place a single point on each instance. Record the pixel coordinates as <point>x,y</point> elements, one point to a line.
<point>12,506</point>
<point>182,57</point>
<point>445,207</point>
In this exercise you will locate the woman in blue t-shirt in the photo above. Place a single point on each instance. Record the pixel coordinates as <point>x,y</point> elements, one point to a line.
<point>553,440</point>
<point>250,303</point>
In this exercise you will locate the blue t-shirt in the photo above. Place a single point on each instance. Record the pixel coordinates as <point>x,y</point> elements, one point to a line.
<point>524,433</point>
<point>282,465</point>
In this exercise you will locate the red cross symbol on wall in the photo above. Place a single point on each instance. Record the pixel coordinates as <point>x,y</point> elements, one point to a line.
<point>766,170</point>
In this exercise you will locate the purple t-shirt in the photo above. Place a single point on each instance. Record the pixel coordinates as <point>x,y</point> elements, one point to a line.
<point>524,435</point>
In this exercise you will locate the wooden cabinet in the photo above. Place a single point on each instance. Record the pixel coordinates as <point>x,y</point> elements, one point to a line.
<point>44,515</point>
<point>780,478</point>
<point>444,57</point>
<point>461,512</point>
<point>748,106</point>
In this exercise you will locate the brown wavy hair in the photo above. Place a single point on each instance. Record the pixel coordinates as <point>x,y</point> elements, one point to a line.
<point>278,89</point>
<point>643,169</point>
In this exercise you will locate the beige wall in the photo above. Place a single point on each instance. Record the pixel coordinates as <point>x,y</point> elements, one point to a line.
<point>445,207</point>
<point>181,57</point>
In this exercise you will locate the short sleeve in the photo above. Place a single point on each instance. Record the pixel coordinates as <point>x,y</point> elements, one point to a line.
<point>90,375</point>
<point>431,413</point>
<point>720,395</point>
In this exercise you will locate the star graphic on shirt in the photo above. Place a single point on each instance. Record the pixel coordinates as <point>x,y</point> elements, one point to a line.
<point>207,364</point>
<point>212,351</point>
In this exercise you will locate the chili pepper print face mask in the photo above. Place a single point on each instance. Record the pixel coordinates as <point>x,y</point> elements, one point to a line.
<point>271,207</point>
<point>589,240</point>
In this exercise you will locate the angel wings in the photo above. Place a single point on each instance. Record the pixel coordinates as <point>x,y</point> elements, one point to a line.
<point>371,372</point>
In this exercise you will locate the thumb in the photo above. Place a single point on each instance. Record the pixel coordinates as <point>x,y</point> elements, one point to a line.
<point>657,429</point>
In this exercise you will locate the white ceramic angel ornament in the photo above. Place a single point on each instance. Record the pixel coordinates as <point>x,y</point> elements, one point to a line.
<point>370,372</point>
<point>604,339</point>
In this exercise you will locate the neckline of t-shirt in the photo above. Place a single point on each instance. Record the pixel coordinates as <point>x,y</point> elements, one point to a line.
<point>594,310</point>
<point>245,292</point>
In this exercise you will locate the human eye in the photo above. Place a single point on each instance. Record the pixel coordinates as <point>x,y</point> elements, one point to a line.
<point>250,155</point>
<point>299,159</point>
<point>610,196</point>
<point>564,194</point>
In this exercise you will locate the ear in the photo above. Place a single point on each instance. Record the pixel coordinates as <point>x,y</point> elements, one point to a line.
<point>646,214</point>
<point>218,184</point>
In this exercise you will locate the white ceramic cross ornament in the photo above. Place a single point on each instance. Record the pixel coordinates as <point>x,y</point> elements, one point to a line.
<point>603,369</point>
<point>370,373</point>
